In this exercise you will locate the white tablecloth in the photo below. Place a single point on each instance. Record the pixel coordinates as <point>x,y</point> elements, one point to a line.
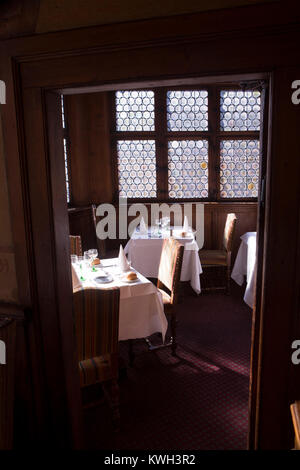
<point>141,307</point>
<point>245,266</point>
<point>144,252</point>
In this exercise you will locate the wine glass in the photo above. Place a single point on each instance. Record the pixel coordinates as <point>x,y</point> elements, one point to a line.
<point>129,260</point>
<point>87,259</point>
<point>80,260</point>
<point>93,253</point>
<point>158,227</point>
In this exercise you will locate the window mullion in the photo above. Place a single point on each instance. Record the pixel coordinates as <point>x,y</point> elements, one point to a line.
<point>113,146</point>
<point>161,143</point>
<point>214,144</point>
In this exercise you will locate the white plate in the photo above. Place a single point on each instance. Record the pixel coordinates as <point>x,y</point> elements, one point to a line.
<point>179,235</point>
<point>103,279</point>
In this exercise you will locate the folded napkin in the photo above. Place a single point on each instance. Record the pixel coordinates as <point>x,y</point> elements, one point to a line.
<point>143,227</point>
<point>123,263</point>
<point>185,224</point>
<point>75,280</point>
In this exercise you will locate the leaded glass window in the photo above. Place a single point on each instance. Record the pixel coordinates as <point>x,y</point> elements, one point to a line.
<point>187,110</point>
<point>191,143</point>
<point>135,110</point>
<point>137,168</point>
<point>240,110</point>
<point>239,168</point>
<point>188,168</point>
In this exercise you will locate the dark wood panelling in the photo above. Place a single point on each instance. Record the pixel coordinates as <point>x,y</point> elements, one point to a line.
<point>280,323</point>
<point>51,360</point>
<point>57,15</point>
<point>67,397</point>
<point>266,103</point>
<point>18,17</point>
<point>19,403</point>
<point>214,221</point>
<point>7,381</point>
<point>89,148</point>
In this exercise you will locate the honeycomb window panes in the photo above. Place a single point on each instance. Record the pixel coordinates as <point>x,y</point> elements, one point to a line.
<point>239,168</point>
<point>240,110</point>
<point>187,110</point>
<point>135,110</point>
<point>137,168</point>
<point>188,168</point>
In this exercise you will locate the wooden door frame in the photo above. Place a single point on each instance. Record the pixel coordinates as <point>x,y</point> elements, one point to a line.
<point>70,61</point>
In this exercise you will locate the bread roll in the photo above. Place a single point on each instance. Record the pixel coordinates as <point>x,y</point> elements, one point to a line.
<point>131,276</point>
<point>95,261</point>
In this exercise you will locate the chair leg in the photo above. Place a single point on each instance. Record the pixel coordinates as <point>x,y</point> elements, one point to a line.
<point>228,281</point>
<point>173,331</point>
<point>112,394</point>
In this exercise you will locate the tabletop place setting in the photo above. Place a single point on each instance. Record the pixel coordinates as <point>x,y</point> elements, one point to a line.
<point>90,269</point>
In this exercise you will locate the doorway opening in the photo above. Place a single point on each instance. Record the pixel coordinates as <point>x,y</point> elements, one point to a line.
<point>138,141</point>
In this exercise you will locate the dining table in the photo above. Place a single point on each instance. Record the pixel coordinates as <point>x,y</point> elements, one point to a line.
<point>144,251</point>
<point>141,311</point>
<point>245,266</point>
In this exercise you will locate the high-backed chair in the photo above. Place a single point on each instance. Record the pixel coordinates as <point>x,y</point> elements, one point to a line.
<point>168,284</point>
<point>217,258</point>
<point>96,320</point>
<point>83,222</point>
<point>75,245</point>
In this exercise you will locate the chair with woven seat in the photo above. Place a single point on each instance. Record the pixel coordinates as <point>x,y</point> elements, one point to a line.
<point>96,321</point>
<point>168,284</point>
<point>75,245</point>
<point>221,258</point>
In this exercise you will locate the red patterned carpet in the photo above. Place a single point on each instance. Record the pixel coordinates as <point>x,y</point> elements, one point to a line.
<point>197,401</point>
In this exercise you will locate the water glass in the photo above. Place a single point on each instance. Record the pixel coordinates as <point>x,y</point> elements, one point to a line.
<point>74,259</point>
<point>87,259</point>
<point>93,252</point>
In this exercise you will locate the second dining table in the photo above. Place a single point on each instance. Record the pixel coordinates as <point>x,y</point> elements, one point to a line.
<point>144,250</point>
<point>141,308</point>
<point>245,266</point>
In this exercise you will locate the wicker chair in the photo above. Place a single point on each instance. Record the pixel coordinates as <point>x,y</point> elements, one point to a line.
<point>221,258</point>
<point>75,245</point>
<point>168,284</point>
<point>96,320</point>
